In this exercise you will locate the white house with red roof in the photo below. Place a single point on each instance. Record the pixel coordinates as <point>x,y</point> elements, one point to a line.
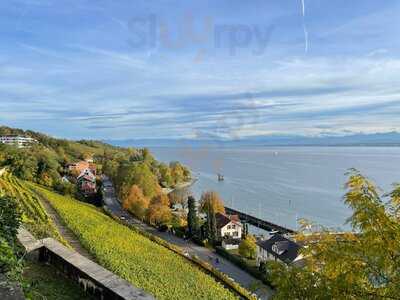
<point>230,230</point>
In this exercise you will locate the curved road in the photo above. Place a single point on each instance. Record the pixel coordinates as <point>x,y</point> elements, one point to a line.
<point>207,255</point>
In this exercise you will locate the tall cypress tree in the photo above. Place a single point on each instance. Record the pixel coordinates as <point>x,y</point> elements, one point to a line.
<point>192,217</point>
<point>212,234</point>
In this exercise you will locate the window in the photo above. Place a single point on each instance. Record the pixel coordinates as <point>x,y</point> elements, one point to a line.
<point>233,226</point>
<point>229,226</point>
<point>235,233</point>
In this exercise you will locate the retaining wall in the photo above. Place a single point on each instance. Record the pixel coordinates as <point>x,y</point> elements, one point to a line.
<point>92,277</point>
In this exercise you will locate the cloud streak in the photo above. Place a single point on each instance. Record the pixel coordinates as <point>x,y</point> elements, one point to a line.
<point>81,78</point>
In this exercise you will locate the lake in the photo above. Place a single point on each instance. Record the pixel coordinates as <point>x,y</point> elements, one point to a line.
<point>284,184</point>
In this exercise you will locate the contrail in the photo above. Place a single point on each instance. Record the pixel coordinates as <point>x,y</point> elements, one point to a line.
<point>305,38</point>
<point>303,10</point>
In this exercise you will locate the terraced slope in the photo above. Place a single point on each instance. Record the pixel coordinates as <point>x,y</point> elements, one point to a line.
<point>132,256</point>
<point>35,218</point>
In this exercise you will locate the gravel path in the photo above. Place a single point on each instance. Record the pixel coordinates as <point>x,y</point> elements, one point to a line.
<point>65,232</point>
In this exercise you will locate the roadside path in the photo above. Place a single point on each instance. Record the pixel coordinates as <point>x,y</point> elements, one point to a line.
<point>207,255</point>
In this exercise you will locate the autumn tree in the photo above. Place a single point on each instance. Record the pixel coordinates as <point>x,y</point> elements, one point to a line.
<point>248,247</point>
<point>161,199</point>
<point>159,212</point>
<point>211,201</point>
<point>136,202</point>
<point>363,264</point>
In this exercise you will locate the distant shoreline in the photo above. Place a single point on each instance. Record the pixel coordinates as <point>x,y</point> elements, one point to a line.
<point>181,186</point>
<point>277,145</point>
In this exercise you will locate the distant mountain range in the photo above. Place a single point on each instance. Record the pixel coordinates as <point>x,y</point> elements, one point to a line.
<point>377,139</point>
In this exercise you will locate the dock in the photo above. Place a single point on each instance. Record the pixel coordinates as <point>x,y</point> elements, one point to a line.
<point>257,222</point>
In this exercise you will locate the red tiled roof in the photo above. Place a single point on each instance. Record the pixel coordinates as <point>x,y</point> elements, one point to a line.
<point>223,220</point>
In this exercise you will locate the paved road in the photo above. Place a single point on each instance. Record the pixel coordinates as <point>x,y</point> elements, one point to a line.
<point>224,265</point>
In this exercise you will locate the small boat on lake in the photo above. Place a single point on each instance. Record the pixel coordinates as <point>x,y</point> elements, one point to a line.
<point>220,177</point>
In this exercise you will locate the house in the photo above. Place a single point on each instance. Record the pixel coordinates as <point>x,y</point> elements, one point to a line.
<point>278,248</point>
<point>81,166</point>
<point>19,141</point>
<point>86,182</point>
<point>229,230</point>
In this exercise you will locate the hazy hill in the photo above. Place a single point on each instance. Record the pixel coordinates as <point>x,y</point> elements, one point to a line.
<point>377,139</point>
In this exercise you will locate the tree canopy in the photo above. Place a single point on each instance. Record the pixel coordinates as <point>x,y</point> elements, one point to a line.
<point>136,202</point>
<point>211,201</point>
<point>248,247</point>
<point>192,218</point>
<point>10,220</point>
<point>45,163</point>
<point>363,264</point>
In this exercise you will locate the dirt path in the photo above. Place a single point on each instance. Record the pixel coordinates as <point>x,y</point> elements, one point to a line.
<point>65,232</point>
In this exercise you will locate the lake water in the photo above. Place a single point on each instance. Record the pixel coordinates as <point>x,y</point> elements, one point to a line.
<point>283,184</point>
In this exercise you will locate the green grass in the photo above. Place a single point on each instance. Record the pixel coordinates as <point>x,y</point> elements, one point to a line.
<point>134,257</point>
<point>42,281</point>
<point>35,218</point>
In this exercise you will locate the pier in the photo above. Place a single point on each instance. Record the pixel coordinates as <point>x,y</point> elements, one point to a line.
<point>266,225</point>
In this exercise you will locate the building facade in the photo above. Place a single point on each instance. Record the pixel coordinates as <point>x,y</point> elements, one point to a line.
<point>81,166</point>
<point>19,141</point>
<point>86,183</point>
<point>278,248</point>
<point>230,230</point>
<point>229,226</point>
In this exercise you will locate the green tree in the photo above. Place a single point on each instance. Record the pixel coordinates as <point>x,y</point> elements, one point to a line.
<point>211,204</point>
<point>192,218</point>
<point>141,175</point>
<point>364,264</point>
<point>10,218</point>
<point>212,230</point>
<point>165,174</point>
<point>248,247</point>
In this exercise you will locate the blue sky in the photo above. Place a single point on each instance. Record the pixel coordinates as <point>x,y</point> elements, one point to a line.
<point>200,69</point>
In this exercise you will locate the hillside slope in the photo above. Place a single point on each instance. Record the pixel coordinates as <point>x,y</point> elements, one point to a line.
<point>35,218</point>
<point>132,256</point>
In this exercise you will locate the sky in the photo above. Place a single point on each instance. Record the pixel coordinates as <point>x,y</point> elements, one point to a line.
<point>104,69</point>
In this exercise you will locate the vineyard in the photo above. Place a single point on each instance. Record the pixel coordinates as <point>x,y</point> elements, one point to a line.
<point>34,218</point>
<point>132,256</point>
